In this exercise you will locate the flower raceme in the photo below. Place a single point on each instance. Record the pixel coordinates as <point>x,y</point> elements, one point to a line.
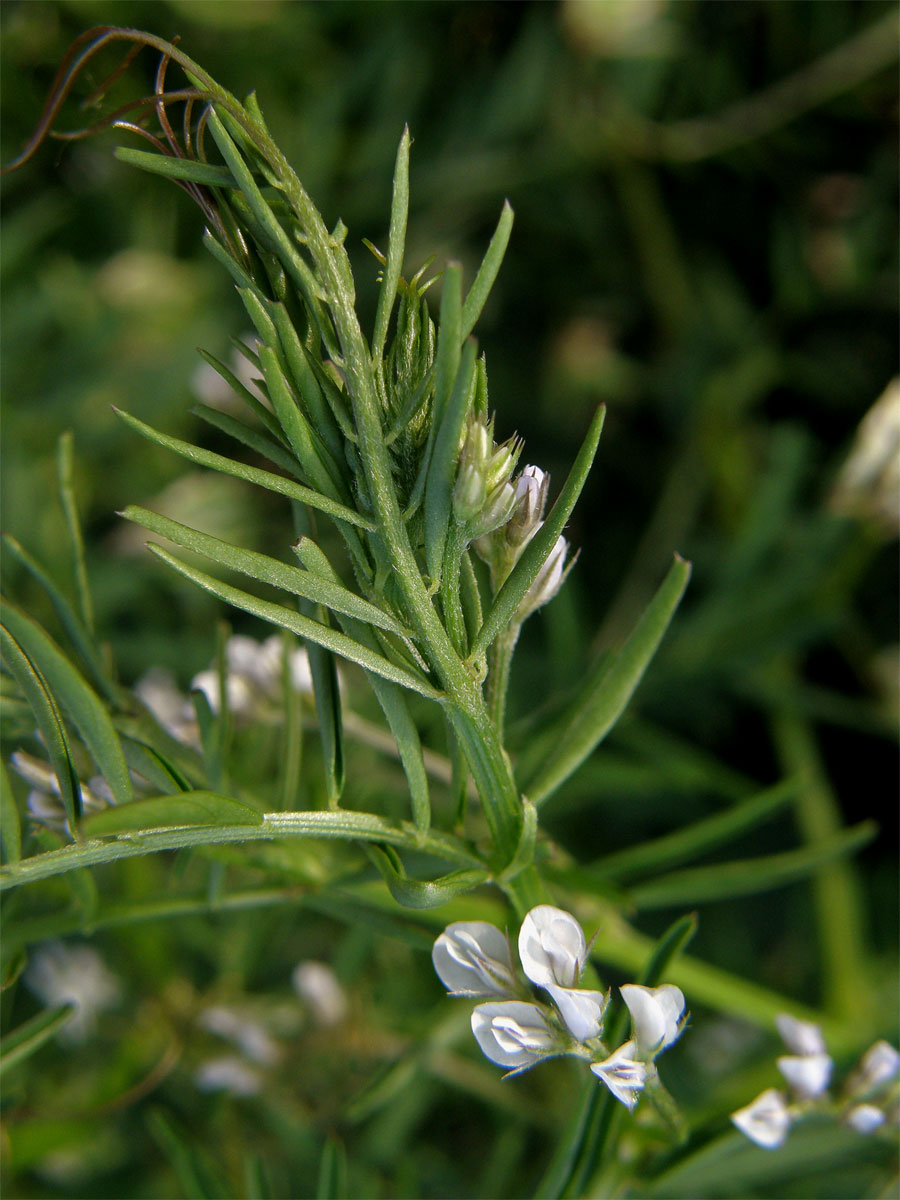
<point>807,1072</point>
<point>517,1030</point>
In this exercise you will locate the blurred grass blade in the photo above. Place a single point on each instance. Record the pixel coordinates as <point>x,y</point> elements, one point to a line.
<point>746,877</point>
<point>195,1178</point>
<point>78,635</point>
<point>208,726</point>
<point>185,808</point>
<point>538,549</point>
<point>332,1181</point>
<point>396,246</point>
<point>700,837</point>
<point>415,893</point>
<point>65,462</point>
<point>10,825</point>
<point>264,569</point>
<point>606,692</point>
<point>256,1183</point>
<point>187,169</point>
<point>444,459</point>
<point>24,1041</point>
<point>487,272</point>
<point>49,722</point>
<point>327,694</point>
<point>81,703</point>
<point>264,479</point>
<point>287,618</point>
<point>524,855</point>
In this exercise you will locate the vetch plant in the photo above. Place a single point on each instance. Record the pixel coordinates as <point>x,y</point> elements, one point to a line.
<point>417,538</point>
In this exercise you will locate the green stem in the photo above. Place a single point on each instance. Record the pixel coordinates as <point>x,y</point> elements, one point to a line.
<point>450,586</point>
<point>501,654</point>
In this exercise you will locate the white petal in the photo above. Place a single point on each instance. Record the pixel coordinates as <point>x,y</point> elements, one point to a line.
<point>552,947</point>
<point>655,1015</point>
<point>622,1073</point>
<point>472,959</point>
<point>582,1011</point>
<point>800,1037</point>
<point>808,1074</point>
<point>766,1121</point>
<point>513,1034</point>
<point>865,1118</point>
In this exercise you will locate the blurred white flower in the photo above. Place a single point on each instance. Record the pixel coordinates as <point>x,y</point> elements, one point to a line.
<point>63,974</point>
<point>253,675</point>
<point>44,801</point>
<point>864,1118</point>
<point>513,1034</point>
<point>656,1016</point>
<point>800,1037</point>
<point>807,1074</point>
<point>765,1121</point>
<point>248,1035</point>
<point>879,1065</point>
<point>869,481</point>
<point>157,691</point>
<point>472,959</point>
<point>317,986</point>
<point>228,1074</point>
<point>622,1073</point>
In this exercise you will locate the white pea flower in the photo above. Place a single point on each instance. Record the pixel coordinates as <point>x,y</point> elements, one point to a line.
<point>656,1016</point>
<point>228,1074</point>
<point>531,497</point>
<point>318,986</point>
<point>248,1035</point>
<point>807,1074</point>
<point>60,973</point>
<point>552,947</point>
<point>864,1118</point>
<point>800,1037</point>
<point>581,1010</point>
<point>623,1074</point>
<point>879,1065</point>
<point>513,1034</point>
<point>765,1121</point>
<point>472,959</point>
<point>548,580</point>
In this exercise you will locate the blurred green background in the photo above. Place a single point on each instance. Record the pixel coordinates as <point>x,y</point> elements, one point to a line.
<point>711,251</point>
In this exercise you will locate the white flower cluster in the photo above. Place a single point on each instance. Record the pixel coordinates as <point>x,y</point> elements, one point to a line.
<point>474,959</point>
<point>869,1094</point>
<point>252,684</point>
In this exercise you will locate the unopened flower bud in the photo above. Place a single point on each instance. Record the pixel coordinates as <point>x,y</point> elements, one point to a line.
<point>502,463</point>
<point>547,582</point>
<point>765,1121</point>
<point>531,496</point>
<point>469,492</point>
<point>500,505</point>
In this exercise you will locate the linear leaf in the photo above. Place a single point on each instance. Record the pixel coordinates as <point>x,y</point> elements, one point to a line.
<point>308,584</point>
<point>253,402</point>
<point>49,722</point>
<point>171,167</point>
<point>745,877</point>
<point>442,469</point>
<point>332,1180</point>
<point>84,707</point>
<point>539,548</point>
<point>264,479</point>
<point>68,618</point>
<point>396,246</point>
<point>700,837</point>
<point>416,893</point>
<point>258,442</point>
<point>487,272</point>
<point>185,808</point>
<point>304,379</point>
<point>286,618</point>
<point>607,690</point>
<point>10,826</point>
<point>29,1037</point>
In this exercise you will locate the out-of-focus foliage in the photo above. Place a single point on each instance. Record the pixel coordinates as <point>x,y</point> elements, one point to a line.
<point>706,238</point>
